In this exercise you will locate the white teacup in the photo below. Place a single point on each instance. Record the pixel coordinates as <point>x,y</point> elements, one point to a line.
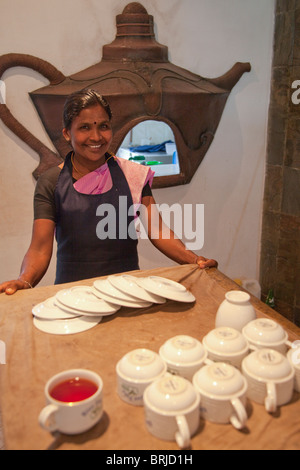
<point>266,333</point>
<point>172,409</point>
<point>135,371</point>
<point>184,355</point>
<point>222,390</point>
<point>270,378</point>
<point>226,344</point>
<point>67,410</point>
<point>293,356</point>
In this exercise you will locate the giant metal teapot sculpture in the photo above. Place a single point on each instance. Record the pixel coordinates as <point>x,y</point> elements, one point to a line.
<point>140,83</point>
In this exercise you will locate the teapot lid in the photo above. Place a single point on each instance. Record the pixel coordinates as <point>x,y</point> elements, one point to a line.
<point>135,38</point>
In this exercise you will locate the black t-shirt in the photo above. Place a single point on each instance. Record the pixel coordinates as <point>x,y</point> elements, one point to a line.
<point>44,200</point>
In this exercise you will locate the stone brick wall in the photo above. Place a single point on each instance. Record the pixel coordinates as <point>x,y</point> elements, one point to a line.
<point>280,246</point>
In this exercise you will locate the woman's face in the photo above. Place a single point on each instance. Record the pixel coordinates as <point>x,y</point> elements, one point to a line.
<point>90,135</point>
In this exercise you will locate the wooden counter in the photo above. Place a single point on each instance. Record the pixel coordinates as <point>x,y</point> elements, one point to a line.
<point>32,357</point>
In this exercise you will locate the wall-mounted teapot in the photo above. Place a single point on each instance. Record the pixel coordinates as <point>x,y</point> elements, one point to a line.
<point>140,84</point>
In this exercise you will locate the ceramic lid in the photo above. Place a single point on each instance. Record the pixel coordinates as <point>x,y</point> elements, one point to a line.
<point>264,331</point>
<point>141,364</point>
<point>219,380</point>
<point>171,393</point>
<point>182,349</point>
<point>225,340</point>
<point>294,356</point>
<point>267,364</point>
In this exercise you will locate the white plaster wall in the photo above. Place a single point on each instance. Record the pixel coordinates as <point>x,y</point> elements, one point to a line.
<point>204,36</point>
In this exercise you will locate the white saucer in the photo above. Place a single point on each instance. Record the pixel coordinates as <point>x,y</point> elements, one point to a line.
<point>49,310</point>
<point>74,311</point>
<point>107,291</point>
<point>166,288</point>
<point>83,299</point>
<point>124,303</point>
<point>66,327</point>
<point>128,283</point>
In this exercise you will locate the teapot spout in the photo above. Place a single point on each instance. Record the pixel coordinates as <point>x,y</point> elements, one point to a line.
<point>230,78</point>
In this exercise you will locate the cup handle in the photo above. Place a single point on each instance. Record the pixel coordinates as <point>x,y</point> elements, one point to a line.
<point>182,436</point>
<point>239,419</point>
<point>271,398</point>
<point>47,418</point>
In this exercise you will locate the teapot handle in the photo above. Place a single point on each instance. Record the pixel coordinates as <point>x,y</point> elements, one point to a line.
<point>48,158</point>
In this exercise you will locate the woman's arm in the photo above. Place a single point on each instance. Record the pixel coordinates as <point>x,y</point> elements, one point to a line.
<point>169,245</point>
<point>37,258</point>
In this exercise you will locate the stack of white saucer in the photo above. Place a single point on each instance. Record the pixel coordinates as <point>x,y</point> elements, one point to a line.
<point>80,308</point>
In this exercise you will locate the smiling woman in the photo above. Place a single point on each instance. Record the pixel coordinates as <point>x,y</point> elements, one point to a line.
<point>90,139</point>
<point>67,201</point>
<point>88,130</point>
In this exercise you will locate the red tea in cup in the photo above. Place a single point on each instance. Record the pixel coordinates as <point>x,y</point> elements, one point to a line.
<point>73,390</point>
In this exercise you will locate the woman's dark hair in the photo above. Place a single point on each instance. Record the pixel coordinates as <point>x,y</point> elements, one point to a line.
<point>80,100</point>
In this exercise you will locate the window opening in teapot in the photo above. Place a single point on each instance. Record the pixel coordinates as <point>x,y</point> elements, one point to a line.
<point>152,143</point>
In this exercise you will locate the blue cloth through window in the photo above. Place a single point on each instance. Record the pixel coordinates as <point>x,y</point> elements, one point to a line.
<point>151,148</point>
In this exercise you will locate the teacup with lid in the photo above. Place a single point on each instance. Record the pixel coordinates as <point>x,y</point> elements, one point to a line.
<point>226,344</point>
<point>172,410</point>
<point>294,357</point>
<point>266,333</point>
<point>135,371</point>
<point>183,355</point>
<point>222,390</point>
<point>270,378</point>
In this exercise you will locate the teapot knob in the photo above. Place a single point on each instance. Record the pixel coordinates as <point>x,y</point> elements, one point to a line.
<point>48,158</point>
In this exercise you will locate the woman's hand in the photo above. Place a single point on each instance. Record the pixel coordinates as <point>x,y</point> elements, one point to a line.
<point>206,263</point>
<point>10,287</point>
